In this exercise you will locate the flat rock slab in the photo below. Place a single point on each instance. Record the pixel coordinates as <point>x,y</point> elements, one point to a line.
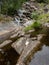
<point>19,45</point>
<point>7,25</point>
<point>5,35</point>
<point>3,32</point>
<point>28,52</point>
<point>5,43</point>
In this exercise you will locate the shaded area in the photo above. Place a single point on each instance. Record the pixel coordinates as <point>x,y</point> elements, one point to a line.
<point>8,57</point>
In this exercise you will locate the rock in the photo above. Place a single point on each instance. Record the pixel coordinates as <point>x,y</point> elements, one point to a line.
<point>19,45</point>
<point>6,35</point>
<point>40,36</point>
<point>27,14</point>
<point>7,29</point>
<point>22,34</point>
<point>7,25</point>
<point>17,35</point>
<point>14,36</point>
<point>20,12</point>
<point>25,20</point>
<point>29,22</point>
<point>21,63</point>
<point>46,8</point>
<point>30,31</point>
<point>23,16</point>
<point>33,7</point>
<point>34,38</point>
<point>46,24</point>
<point>28,52</point>
<point>6,45</point>
<point>27,4</point>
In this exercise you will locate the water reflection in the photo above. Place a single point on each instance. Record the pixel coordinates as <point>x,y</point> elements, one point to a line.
<point>41,57</point>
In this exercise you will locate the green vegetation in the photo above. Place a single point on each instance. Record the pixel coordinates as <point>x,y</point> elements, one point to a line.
<point>28,28</point>
<point>39,18</point>
<point>10,6</point>
<point>34,15</point>
<point>42,17</point>
<point>36,25</point>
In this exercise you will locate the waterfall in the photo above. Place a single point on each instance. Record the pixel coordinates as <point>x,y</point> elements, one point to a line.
<point>17,21</point>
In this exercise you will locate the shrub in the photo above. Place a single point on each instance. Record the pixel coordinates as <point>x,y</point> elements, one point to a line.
<point>36,25</point>
<point>44,17</point>
<point>30,27</point>
<point>34,15</point>
<point>10,6</point>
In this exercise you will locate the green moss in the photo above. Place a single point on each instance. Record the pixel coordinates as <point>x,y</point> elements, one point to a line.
<point>40,16</point>
<point>36,25</point>
<point>44,17</point>
<point>34,15</point>
<point>28,28</point>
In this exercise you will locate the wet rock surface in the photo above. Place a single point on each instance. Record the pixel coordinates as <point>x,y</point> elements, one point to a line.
<point>19,45</point>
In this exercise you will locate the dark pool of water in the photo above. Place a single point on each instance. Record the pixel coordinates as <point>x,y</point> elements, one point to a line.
<point>8,57</point>
<point>41,57</point>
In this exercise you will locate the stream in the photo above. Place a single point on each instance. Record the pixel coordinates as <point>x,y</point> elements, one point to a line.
<point>41,57</point>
